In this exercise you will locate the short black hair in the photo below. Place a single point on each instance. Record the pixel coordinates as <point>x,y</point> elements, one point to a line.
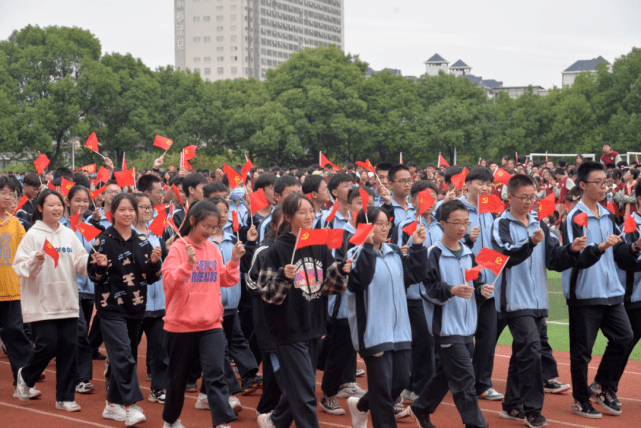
<point>587,168</point>
<point>519,180</point>
<point>383,166</point>
<point>177,180</point>
<point>605,143</point>
<point>395,169</point>
<point>146,182</point>
<point>213,187</point>
<point>284,182</point>
<point>479,172</point>
<point>562,163</point>
<point>449,207</point>
<point>264,180</point>
<point>634,172</point>
<point>336,179</point>
<point>637,190</point>
<point>411,163</point>
<point>355,192</point>
<point>81,178</point>
<point>63,172</point>
<point>312,183</point>
<point>193,180</point>
<point>452,171</point>
<point>8,182</point>
<point>421,185</point>
<point>560,171</point>
<point>31,179</point>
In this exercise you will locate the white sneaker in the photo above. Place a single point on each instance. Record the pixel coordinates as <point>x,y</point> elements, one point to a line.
<point>408,395</point>
<point>85,388</point>
<point>202,403</point>
<point>234,402</point>
<point>33,393</point>
<point>265,420</point>
<point>176,424</point>
<point>360,372</point>
<point>22,390</point>
<point>222,426</point>
<point>114,412</point>
<point>359,419</point>
<point>134,415</point>
<point>69,406</point>
<point>350,390</point>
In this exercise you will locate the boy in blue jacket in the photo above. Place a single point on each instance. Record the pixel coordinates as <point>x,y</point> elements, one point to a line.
<point>450,309</point>
<point>522,295</point>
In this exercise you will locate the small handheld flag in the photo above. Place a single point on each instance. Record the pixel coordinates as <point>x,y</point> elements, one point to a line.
<point>103,174</point>
<point>442,161</point>
<point>244,172</point>
<point>493,260</point>
<point>177,194</point>
<point>630,225</point>
<point>41,163</point>
<point>65,186</point>
<point>96,192</point>
<point>362,232</point>
<point>491,204</point>
<point>258,201</point>
<point>92,144</point>
<point>472,274</point>
<point>234,222</point>
<point>332,214</point>
<point>125,178</point>
<point>334,238</point>
<point>233,177</point>
<point>502,176</point>
<point>458,180</point>
<point>425,201</point>
<point>324,161</point>
<point>74,220</point>
<point>581,219</point>
<point>157,227</point>
<point>49,250</point>
<point>88,231</point>
<point>163,142</point>
<point>546,206</point>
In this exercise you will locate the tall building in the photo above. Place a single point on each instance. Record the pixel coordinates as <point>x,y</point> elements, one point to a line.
<point>226,39</point>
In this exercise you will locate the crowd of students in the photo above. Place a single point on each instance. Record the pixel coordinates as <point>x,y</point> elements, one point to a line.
<point>226,285</point>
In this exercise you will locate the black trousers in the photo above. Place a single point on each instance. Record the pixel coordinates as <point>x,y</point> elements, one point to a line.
<point>525,376</point>
<point>95,335</point>
<point>85,363</point>
<point>157,357</point>
<point>19,347</point>
<point>247,326</point>
<point>634,315</point>
<point>271,391</point>
<point>387,376</point>
<point>185,349</point>
<point>340,362</point>
<point>87,305</point>
<point>121,341</point>
<point>585,322</point>
<point>238,346</point>
<point>485,344</point>
<point>55,339</point>
<point>455,373</point>
<point>423,352</point>
<point>294,367</point>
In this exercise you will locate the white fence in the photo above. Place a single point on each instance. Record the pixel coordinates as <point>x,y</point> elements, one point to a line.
<point>570,157</point>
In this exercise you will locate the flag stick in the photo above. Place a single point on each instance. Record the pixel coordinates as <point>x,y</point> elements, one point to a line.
<point>98,153</point>
<point>497,276</point>
<point>295,245</point>
<point>237,236</point>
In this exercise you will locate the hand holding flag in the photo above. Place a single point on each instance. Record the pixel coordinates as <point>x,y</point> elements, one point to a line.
<point>472,274</point>
<point>49,250</point>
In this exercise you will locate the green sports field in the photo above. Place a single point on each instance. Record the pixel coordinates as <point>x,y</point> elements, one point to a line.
<point>558,333</point>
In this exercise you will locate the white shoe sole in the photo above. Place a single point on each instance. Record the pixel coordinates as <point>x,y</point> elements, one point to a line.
<point>139,420</point>
<point>532,426</point>
<point>337,412</point>
<point>75,409</point>
<point>237,409</point>
<point>114,417</point>
<point>506,415</point>
<point>556,390</point>
<point>586,415</point>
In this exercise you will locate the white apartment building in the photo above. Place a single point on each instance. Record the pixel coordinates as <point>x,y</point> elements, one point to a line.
<point>227,39</point>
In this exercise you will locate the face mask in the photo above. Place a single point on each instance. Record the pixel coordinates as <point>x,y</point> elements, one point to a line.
<point>238,193</point>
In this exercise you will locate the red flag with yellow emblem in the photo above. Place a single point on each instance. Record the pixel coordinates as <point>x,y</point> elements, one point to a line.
<point>233,177</point>
<point>49,250</point>
<point>493,260</point>
<point>65,186</point>
<point>309,237</point>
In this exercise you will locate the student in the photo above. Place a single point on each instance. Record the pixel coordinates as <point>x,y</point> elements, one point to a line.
<point>193,188</point>
<point>595,296</point>
<point>122,264</point>
<point>522,295</point>
<point>378,318</point>
<point>339,186</point>
<point>296,313</point>
<point>49,298</point>
<point>193,274</point>
<point>152,323</point>
<point>283,187</point>
<point>77,202</point>
<point>316,186</point>
<point>450,310</point>
<point>401,179</point>
<point>30,188</point>
<point>382,183</point>
<point>265,182</point>
<point>18,347</point>
<point>151,185</point>
<point>98,218</point>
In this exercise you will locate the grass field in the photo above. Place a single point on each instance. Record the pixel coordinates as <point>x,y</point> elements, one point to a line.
<point>558,333</point>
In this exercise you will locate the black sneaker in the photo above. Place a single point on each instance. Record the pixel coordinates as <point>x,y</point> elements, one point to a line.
<point>553,386</point>
<point>422,419</point>
<point>98,356</point>
<point>516,414</point>
<point>585,409</point>
<point>536,420</point>
<point>157,396</point>
<point>250,384</point>
<point>604,397</point>
<point>191,387</point>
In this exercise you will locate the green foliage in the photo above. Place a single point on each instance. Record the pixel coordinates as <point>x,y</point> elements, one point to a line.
<point>18,167</point>
<point>56,87</point>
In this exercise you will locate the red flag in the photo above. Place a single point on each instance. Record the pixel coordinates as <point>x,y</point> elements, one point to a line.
<point>258,201</point>
<point>411,228</point>
<point>91,168</point>
<point>425,201</point>
<point>108,217</point>
<point>103,174</point>
<point>96,192</point>
<point>362,232</point>
<point>65,186</point>
<point>159,224</point>
<point>401,158</point>
<point>189,152</point>
<point>472,274</point>
<point>23,201</point>
<point>244,172</point>
<point>366,165</point>
<point>332,214</point>
<point>581,219</point>
<point>234,220</point>
<point>354,215</point>
<point>125,178</point>
<point>630,225</point>
<point>442,161</point>
<point>458,180</point>
<point>546,206</point>
<point>51,251</point>
<point>611,207</point>
<point>324,161</point>
<point>334,238</point>
<point>309,195</point>
<point>491,204</point>
<point>308,237</point>
<point>364,198</point>
<point>51,186</point>
<point>177,194</point>
<point>516,158</point>
<point>501,176</point>
<point>493,260</point>
<point>41,163</point>
<point>233,177</point>
<point>170,221</point>
<point>88,231</point>
<point>163,142</point>
<point>74,220</point>
<point>92,143</point>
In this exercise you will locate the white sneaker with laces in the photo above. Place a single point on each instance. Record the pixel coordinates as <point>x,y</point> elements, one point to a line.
<point>350,390</point>
<point>330,405</point>
<point>202,403</point>
<point>69,406</point>
<point>359,419</point>
<point>491,395</point>
<point>235,405</point>
<point>22,390</point>
<point>265,420</point>
<point>134,415</point>
<point>176,424</point>
<point>114,412</point>
<point>33,393</point>
<point>85,388</point>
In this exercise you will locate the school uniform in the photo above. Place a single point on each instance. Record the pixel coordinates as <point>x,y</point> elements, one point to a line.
<point>400,214</point>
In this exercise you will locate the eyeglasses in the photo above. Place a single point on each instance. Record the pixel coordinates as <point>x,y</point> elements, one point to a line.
<point>385,225</point>
<point>403,182</point>
<point>599,183</point>
<point>207,228</point>
<point>146,207</point>
<point>112,192</point>
<point>465,224</point>
<point>525,199</point>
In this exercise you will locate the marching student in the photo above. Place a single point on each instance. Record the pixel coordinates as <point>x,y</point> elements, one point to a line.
<point>283,187</point>
<point>339,186</point>
<point>316,187</point>
<point>401,179</point>
<point>595,295</point>
<point>193,274</point>
<point>521,296</point>
<point>450,310</point>
<point>122,265</point>
<point>378,318</point>
<point>49,298</point>
<point>296,313</point>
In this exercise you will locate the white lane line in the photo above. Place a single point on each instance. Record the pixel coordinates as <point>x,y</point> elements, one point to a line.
<point>567,364</point>
<point>558,323</point>
<point>56,415</point>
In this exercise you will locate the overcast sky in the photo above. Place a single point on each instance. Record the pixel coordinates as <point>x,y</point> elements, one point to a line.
<point>516,42</point>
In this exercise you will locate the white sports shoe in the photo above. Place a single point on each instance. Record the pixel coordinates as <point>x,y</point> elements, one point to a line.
<point>114,412</point>
<point>350,390</point>
<point>176,424</point>
<point>33,393</point>
<point>201,403</point>
<point>22,390</point>
<point>359,419</point>
<point>235,405</point>
<point>134,415</point>
<point>69,406</point>
<point>265,420</point>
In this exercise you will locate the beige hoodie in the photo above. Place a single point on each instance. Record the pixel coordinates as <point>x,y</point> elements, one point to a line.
<point>49,292</point>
